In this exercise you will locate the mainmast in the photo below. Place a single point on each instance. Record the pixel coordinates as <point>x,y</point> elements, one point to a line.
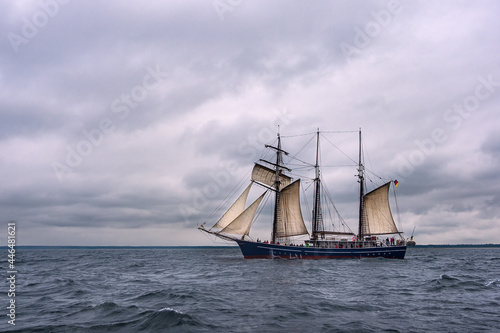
<point>361,190</point>
<point>317,218</point>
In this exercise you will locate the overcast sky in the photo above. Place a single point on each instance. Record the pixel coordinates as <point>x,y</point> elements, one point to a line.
<point>127,123</point>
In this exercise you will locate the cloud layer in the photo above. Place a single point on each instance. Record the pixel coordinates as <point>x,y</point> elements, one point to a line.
<point>128,124</point>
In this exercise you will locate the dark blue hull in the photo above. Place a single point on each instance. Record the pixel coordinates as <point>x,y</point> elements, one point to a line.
<point>253,250</point>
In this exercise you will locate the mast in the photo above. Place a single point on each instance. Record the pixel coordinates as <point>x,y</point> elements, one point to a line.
<point>361,190</point>
<point>317,220</point>
<point>277,187</point>
<point>278,168</point>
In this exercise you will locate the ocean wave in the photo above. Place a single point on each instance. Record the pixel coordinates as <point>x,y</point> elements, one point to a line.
<point>110,316</point>
<point>449,282</point>
<point>444,277</point>
<point>169,309</point>
<point>167,318</point>
<point>492,283</point>
<point>163,295</point>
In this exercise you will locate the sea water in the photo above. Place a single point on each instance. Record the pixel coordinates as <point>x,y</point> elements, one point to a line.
<point>216,290</point>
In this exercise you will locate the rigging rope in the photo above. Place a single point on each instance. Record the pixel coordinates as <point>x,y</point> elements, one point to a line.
<point>294,136</point>
<point>305,196</point>
<point>228,196</point>
<point>357,131</point>
<point>339,149</point>
<point>397,208</point>
<point>262,205</point>
<point>344,224</point>
<point>300,150</point>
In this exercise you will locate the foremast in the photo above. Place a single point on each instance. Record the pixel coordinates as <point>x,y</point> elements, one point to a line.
<point>277,188</point>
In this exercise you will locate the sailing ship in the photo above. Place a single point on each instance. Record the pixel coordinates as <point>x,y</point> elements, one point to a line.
<point>375,217</point>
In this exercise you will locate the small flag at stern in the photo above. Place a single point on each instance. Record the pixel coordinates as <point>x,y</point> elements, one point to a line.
<point>396,183</point>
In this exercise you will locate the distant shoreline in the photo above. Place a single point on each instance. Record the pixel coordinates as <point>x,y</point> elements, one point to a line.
<point>41,247</point>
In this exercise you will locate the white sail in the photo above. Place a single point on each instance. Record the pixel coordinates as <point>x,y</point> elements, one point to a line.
<point>241,225</point>
<point>234,211</point>
<point>377,212</point>
<point>290,221</point>
<point>267,176</point>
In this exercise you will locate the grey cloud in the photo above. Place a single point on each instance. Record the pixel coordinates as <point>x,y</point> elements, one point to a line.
<point>224,82</point>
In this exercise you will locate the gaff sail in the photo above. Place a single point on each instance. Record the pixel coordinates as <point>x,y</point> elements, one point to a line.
<point>290,221</point>
<point>378,218</point>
